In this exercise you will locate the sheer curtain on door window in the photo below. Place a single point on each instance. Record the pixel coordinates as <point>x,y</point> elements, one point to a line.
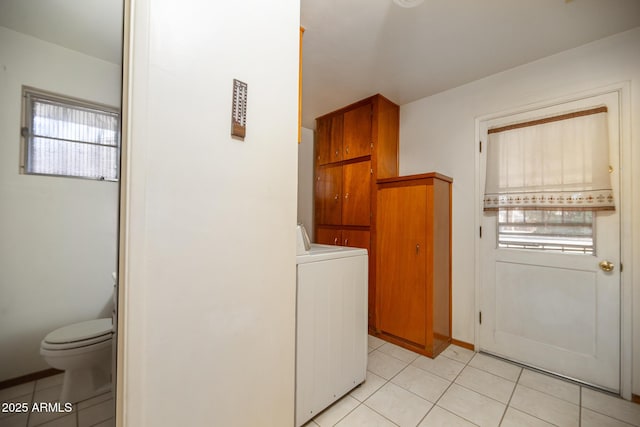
<point>546,178</point>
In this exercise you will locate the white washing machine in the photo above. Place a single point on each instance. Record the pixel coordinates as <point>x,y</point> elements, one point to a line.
<point>331,325</point>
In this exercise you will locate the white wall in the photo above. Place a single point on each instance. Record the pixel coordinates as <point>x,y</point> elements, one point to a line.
<point>209,274</point>
<point>57,235</point>
<point>305,181</point>
<point>437,133</point>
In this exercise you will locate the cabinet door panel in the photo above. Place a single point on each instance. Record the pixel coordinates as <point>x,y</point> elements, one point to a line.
<point>336,138</point>
<point>328,236</point>
<point>323,141</point>
<point>356,202</point>
<point>356,239</point>
<point>357,132</point>
<point>400,272</point>
<point>329,195</point>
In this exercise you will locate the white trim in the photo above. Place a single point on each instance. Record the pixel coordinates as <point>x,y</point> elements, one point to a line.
<point>624,96</point>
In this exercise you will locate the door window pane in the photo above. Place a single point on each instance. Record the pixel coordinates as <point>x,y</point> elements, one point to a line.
<point>548,230</point>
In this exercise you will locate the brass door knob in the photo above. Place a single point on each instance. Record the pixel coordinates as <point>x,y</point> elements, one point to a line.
<point>606,265</point>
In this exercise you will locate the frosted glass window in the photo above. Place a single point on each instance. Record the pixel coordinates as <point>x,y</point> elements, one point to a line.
<point>67,137</point>
<point>550,230</point>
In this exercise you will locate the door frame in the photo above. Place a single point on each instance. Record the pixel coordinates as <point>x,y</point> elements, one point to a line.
<point>623,90</point>
<point>120,378</point>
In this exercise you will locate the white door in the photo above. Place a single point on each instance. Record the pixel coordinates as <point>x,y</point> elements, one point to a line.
<point>556,311</point>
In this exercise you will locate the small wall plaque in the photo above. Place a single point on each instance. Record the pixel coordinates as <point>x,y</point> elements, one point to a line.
<point>239,109</point>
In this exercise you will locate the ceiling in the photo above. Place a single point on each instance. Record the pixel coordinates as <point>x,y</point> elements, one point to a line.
<point>93,27</point>
<point>356,48</point>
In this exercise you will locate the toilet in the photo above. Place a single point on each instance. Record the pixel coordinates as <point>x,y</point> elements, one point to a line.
<point>83,351</point>
<point>86,354</point>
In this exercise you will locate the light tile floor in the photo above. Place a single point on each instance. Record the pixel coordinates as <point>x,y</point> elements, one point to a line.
<point>95,412</point>
<point>402,388</point>
<point>466,389</point>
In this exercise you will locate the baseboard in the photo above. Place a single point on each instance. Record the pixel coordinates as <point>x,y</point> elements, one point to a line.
<point>462,344</point>
<point>635,398</point>
<point>28,378</point>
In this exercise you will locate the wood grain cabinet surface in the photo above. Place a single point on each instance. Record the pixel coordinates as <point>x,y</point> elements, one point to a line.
<point>355,146</point>
<point>413,262</point>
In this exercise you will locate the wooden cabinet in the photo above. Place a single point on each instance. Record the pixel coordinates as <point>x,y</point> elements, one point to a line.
<point>413,262</point>
<point>357,132</point>
<point>328,236</point>
<point>357,239</point>
<point>356,188</point>
<point>329,139</point>
<point>340,237</point>
<point>355,146</point>
<point>328,194</point>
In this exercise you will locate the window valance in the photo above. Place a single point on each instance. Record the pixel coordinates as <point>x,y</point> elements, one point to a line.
<point>560,162</point>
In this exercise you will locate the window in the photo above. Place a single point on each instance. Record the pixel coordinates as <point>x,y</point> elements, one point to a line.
<point>63,136</point>
<point>550,230</point>
<point>546,178</point>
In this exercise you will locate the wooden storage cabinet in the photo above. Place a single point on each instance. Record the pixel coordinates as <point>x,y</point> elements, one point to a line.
<point>413,262</point>
<point>355,146</point>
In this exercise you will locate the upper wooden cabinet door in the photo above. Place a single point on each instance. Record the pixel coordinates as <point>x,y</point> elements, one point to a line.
<point>323,140</point>
<point>329,195</point>
<point>329,139</point>
<point>401,254</point>
<point>356,190</point>
<point>357,132</point>
<point>336,138</point>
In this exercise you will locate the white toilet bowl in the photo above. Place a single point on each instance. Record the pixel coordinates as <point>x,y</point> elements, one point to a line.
<point>83,351</point>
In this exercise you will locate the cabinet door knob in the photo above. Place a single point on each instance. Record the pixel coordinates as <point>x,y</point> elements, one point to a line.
<point>335,241</point>
<point>346,196</point>
<point>347,149</point>
<point>336,197</point>
<point>417,247</point>
<point>336,153</point>
<point>346,242</point>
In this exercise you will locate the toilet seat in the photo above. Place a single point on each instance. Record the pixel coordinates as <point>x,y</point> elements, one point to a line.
<point>78,335</point>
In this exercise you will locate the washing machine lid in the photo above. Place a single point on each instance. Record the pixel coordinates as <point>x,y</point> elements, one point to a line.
<point>80,331</point>
<point>319,252</point>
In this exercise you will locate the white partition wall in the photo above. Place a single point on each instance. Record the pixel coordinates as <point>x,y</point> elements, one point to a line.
<point>209,286</point>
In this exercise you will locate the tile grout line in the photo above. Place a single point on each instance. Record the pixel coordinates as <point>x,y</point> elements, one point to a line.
<point>515,386</point>
<point>386,382</point>
<point>447,389</point>
<point>580,408</point>
<point>553,377</point>
<point>345,415</point>
<point>516,383</point>
<point>369,407</point>
<point>33,395</point>
<point>541,392</point>
<point>600,413</point>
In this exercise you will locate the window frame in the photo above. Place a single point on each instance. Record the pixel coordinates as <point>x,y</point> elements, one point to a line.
<point>26,126</point>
